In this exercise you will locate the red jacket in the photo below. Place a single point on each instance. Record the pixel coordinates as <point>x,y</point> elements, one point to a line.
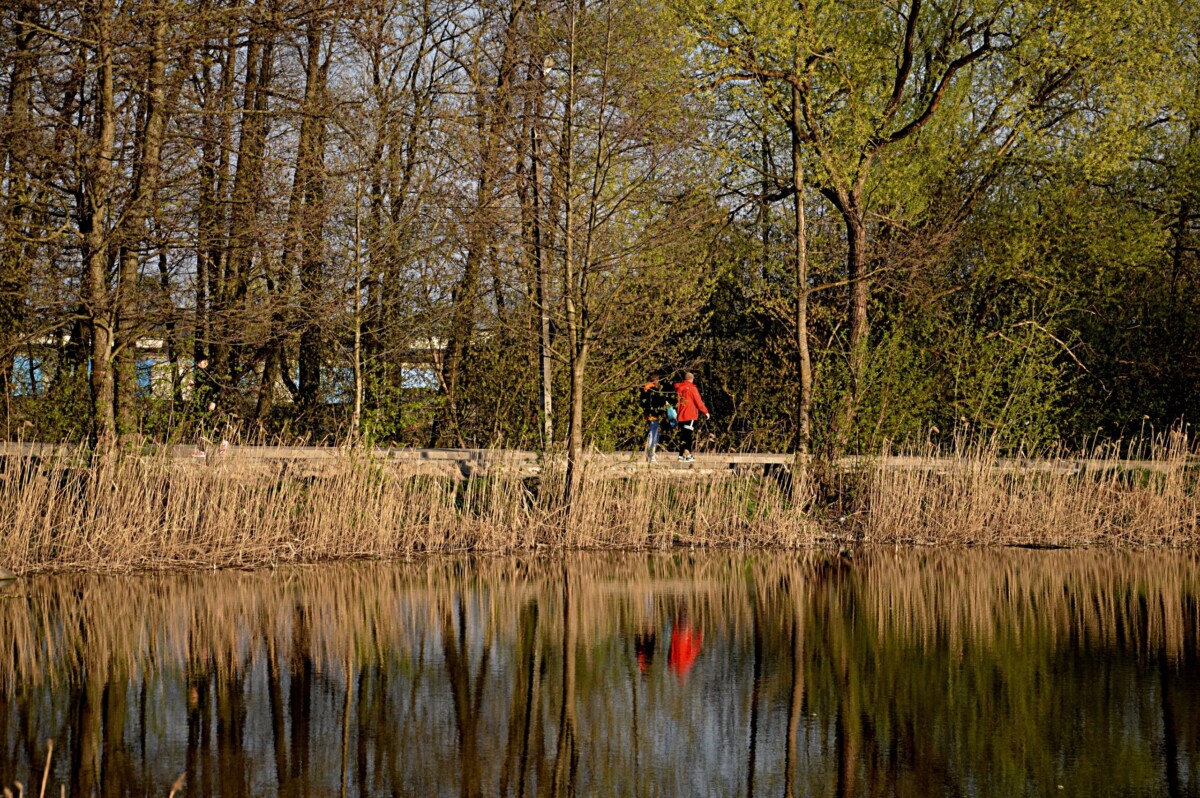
<point>690,405</point>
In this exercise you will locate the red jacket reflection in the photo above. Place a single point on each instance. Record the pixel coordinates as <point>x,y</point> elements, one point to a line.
<point>685,647</point>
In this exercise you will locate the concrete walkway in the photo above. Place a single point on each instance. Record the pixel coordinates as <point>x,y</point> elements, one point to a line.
<point>478,461</point>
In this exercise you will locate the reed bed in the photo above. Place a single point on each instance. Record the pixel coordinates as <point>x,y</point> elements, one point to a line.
<point>1145,494</point>
<point>128,512</point>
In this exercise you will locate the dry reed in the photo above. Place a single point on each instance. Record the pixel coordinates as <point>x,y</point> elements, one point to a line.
<point>127,512</point>
<point>974,496</point>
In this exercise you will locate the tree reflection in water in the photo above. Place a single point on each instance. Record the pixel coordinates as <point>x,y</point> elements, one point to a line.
<point>906,673</point>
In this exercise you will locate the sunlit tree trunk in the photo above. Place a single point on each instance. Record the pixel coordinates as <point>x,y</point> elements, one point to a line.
<point>800,231</point>
<point>133,233</point>
<point>575,313</point>
<point>310,212</point>
<point>535,250</point>
<point>216,131</point>
<point>96,197</point>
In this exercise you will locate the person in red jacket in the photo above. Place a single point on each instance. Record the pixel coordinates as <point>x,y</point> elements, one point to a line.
<point>689,406</point>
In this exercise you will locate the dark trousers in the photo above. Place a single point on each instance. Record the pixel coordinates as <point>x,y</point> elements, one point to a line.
<point>687,436</point>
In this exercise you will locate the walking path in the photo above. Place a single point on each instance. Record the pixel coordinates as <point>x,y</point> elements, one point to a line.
<point>478,461</point>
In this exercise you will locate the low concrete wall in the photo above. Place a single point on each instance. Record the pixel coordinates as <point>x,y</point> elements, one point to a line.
<point>468,462</point>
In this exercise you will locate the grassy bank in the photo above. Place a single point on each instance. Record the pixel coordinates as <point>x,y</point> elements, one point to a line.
<point>150,512</point>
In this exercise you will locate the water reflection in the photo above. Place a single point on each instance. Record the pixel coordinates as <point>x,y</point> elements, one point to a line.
<point>901,673</point>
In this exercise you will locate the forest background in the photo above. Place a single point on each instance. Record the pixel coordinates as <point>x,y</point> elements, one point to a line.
<point>483,222</point>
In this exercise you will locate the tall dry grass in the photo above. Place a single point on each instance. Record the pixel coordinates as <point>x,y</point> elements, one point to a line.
<point>127,512</point>
<point>1145,494</point>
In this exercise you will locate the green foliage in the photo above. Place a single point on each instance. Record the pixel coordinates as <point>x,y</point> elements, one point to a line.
<point>398,415</point>
<point>1032,243</point>
<point>61,414</point>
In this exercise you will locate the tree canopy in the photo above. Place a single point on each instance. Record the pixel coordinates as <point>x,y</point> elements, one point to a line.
<point>456,223</point>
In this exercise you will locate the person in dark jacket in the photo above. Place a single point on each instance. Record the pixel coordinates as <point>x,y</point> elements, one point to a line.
<point>655,404</point>
<point>689,405</point>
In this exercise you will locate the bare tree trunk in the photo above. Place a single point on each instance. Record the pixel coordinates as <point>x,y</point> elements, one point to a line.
<point>244,235</point>
<point>172,330</point>
<point>133,226</point>
<point>310,213</point>
<point>578,366</point>
<point>96,190</point>
<point>356,417</point>
<point>848,202</point>
<point>804,408</point>
<point>856,263</point>
<point>494,114</point>
<point>394,203</point>
<point>543,270</point>
<point>303,242</point>
<point>530,184</point>
<point>216,130</point>
<point>576,330</point>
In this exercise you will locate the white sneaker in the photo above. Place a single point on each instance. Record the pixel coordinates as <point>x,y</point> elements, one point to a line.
<point>679,458</point>
<point>689,459</point>
<point>651,459</point>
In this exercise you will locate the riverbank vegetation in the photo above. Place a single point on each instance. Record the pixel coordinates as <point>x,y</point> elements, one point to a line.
<point>481,224</point>
<point>125,511</point>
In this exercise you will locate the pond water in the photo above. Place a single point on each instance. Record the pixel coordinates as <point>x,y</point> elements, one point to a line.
<point>875,672</point>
